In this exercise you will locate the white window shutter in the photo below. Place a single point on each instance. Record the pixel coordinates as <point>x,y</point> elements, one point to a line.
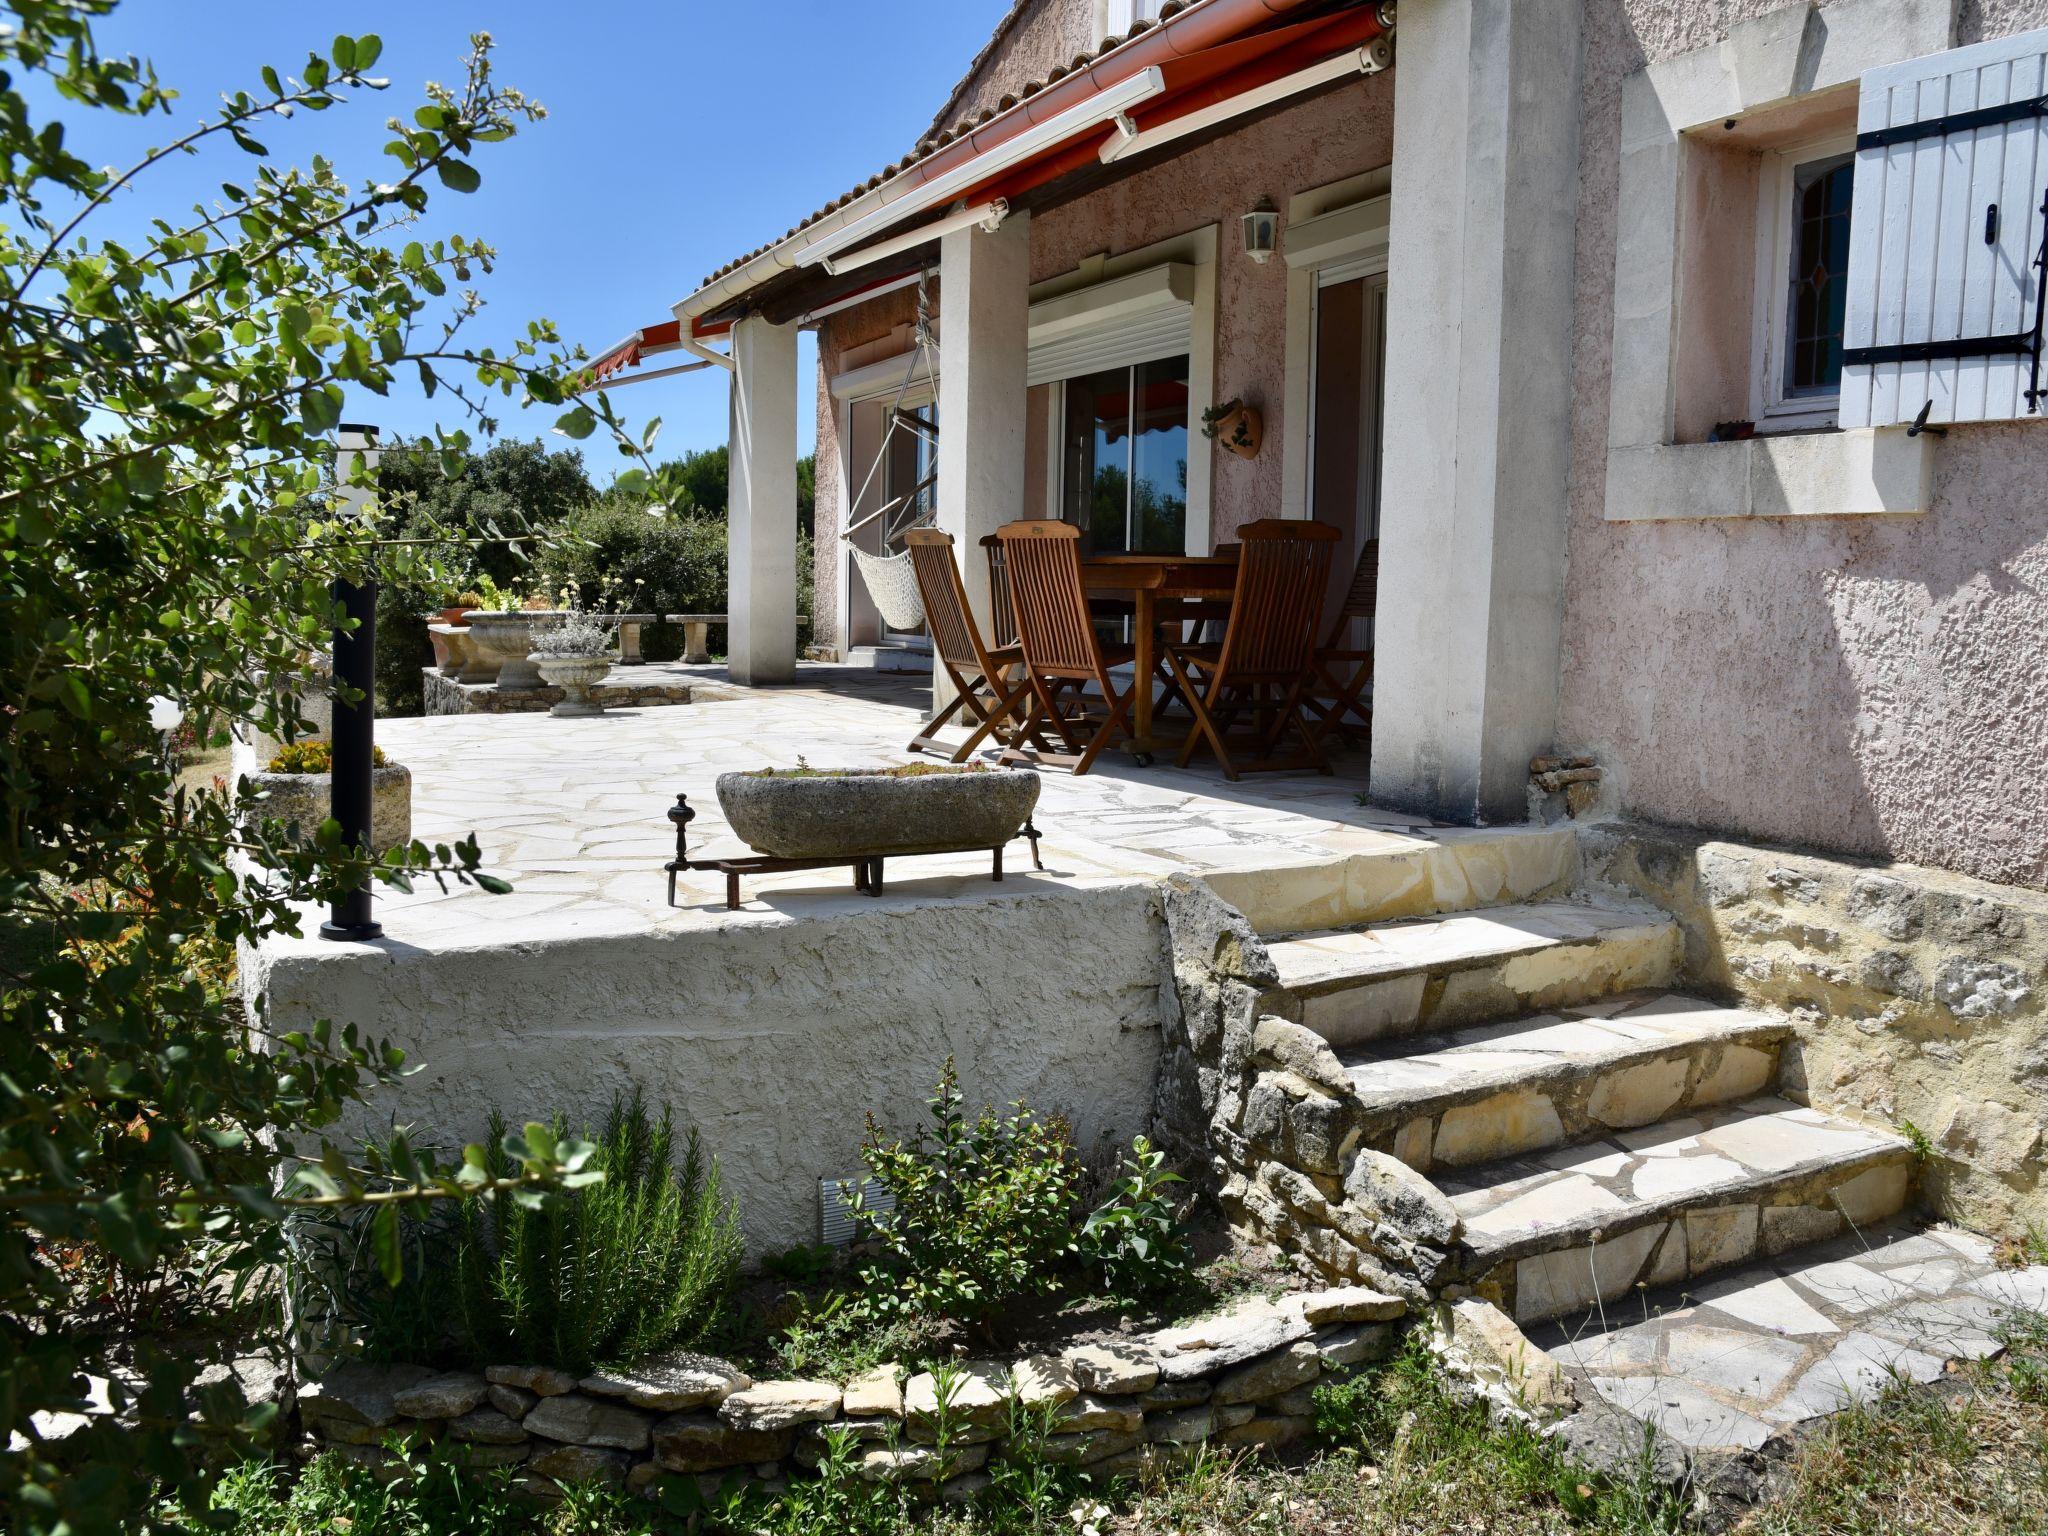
<point>1118,21</point>
<point>1938,317</point>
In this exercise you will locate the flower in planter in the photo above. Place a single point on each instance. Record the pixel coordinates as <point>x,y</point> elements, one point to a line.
<point>315,757</point>
<point>573,634</point>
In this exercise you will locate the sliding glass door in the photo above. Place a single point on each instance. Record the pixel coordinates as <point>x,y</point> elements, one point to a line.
<point>1124,457</point>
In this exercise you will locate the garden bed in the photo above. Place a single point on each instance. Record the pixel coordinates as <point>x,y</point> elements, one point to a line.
<point>1240,1379</point>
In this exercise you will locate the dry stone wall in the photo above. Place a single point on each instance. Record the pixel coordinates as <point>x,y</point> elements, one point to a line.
<point>1265,1105</point>
<point>1916,995</point>
<point>1243,1378</point>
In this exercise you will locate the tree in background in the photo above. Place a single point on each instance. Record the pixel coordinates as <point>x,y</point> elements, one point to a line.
<point>167,544</point>
<point>498,505</point>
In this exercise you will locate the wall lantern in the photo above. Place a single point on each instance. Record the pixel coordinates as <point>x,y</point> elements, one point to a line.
<point>1262,231</point>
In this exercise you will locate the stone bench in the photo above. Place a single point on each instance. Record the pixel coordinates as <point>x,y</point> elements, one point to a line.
<point>629,637</point>
<point>697,633</point>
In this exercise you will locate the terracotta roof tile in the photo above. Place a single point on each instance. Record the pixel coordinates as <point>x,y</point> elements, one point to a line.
<point>937,137</point>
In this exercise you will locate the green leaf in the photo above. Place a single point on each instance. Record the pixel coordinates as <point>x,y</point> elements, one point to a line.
<point>344,52</point>
<point>459,175</point>
<point>384,1242</point>
<point>578,422</point>
<point>369,48</point>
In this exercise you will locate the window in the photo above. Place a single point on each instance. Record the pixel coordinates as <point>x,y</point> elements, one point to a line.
<point>1802,283</point>
<point>1124,457</point>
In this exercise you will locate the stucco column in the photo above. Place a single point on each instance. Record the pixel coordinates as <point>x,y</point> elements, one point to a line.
<point>984,337</point>
<point>1478,412</point>
<point>761,506</point>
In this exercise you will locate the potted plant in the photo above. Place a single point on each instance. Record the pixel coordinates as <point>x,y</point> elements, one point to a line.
<point>572,652</point>
<point>816,813</point>
<point>293,787</point>
<point>462,603</point>
<point>1237,426</point>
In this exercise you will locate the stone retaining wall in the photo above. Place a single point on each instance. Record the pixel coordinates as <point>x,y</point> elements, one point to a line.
<point>1240,1379</point>
<point>1916,995</point>
<point>1266,1106</point>
<point>620,690</point>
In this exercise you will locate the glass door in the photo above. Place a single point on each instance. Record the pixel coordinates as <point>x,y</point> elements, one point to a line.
<point>1124,457</point>
<point>1344,425</point>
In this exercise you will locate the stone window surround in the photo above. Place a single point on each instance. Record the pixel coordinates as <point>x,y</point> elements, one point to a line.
<point>1772,59</point>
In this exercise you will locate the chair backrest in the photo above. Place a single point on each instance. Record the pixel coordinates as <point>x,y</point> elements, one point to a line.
<point>1362,601</point>
<point>1042,559</point>
<point>1002,628</point>
<point>947,618</point>
<point>1277,610</point>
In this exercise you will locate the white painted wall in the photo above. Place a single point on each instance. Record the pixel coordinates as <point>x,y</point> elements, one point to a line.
<point>985,339</point>
<point>1472,527</point>
<point>761,505</point>
<point>774,1039</point>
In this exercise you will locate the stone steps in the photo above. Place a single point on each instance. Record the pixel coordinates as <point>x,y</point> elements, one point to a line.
<point>1491,1091</point>
<point>1442,869</point>
<point>1577,1226</point>
<point>1353,985</point>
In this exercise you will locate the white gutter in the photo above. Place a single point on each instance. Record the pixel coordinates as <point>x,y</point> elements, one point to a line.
<point>1033,141</point>
<point>881,209</point>
<point>988,215</point>
<point>1368,60</point>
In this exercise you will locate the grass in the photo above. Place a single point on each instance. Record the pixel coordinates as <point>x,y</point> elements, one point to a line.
<point>1968,1456</point>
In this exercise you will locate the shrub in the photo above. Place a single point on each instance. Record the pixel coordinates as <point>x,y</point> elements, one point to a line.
<point>1133,1239</point>
<point>313,757</point>
<point>983,1209</point>
<point>639,1262</point>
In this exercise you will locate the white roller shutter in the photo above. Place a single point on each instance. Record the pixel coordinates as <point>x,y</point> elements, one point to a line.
<point>1944,300</point>
<point>1129,319</point>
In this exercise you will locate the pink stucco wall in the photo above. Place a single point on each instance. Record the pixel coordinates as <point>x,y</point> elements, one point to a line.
<point>1870,686</point>
<point>1328,138</point>
<point>1311,144</point>
<point>837,335</point>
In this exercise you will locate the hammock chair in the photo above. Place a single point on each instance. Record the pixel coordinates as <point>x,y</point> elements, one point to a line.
<point>890,579</point>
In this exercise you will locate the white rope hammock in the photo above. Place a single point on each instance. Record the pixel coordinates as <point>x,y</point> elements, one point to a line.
<point>890,580</point>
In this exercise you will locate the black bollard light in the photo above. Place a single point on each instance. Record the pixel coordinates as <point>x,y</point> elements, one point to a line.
<point>354,733</point>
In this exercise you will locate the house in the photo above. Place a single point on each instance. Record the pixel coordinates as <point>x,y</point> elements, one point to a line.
<point>1611,318</point>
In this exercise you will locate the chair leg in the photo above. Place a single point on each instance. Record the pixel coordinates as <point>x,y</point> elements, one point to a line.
<point>1205,723</point>
<point>926,739</point>
<point>1003,707</point>
<point>1027,734</point>
<point>1117,709</point>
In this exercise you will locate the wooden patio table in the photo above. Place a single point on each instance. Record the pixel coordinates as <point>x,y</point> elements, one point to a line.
<point>1145,579</point>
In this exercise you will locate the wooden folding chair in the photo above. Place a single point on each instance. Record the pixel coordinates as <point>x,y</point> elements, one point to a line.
<point>1062,654</point>
<point>1002,623</point>
<point>1263,663</point>
<point>1337,692</point>
<point>982,685</point>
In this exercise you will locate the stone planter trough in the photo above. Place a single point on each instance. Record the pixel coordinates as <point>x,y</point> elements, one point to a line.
<point>302,800</point>
<point>873,813</point>
<point>501,641</point>
<point>576,676</point>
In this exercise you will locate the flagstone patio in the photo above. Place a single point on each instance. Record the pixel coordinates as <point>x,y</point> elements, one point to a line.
<point>1738,1361</point>
<point>573,812</point>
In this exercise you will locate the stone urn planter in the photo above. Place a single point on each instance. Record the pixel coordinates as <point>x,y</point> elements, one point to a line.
<point>575,676</point>
<point>807,814</point>
<point>501,641</point>
<point>301,799</point>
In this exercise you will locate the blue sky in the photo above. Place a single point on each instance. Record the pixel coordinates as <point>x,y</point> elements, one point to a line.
<point>679,135</point>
